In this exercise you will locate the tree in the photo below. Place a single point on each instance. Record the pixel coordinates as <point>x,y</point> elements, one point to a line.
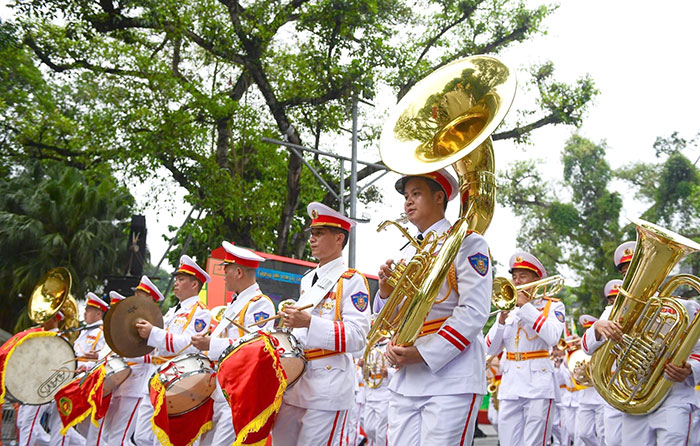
<point>575,227</point>
<point>54,216</point>
<point>191,86</point>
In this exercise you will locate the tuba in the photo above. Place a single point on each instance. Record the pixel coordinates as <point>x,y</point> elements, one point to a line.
<point>372,368</point>
<point>51,295</point>
<point>656,329</point>
<point>446,119</point>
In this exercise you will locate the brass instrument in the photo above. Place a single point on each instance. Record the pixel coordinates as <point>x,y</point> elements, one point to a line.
<point>494,382</point>
<point>218,312</point>
<point>51,295</point>
<point>504,295</point>
<point>629,375</point>
<point>446,119</point>
<point>280,306</point>
<point>579,365</point>
<point>374,368</point>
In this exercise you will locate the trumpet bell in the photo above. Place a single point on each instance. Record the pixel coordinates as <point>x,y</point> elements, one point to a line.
<point>49,295</point>
<point>447,115</point>
<point>503,295</point>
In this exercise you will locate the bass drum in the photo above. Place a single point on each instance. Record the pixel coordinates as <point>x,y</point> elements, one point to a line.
<point>38,368</point>
<point>291,353</point>
<point>116,372</point>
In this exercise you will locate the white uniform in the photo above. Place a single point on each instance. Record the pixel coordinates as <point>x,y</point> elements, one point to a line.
<point>568,405</point>
<point>528,388</point>
<point>376,418</point>
<point>437,401</point>
<point>314,410</point>
<point>29,428</point>
<point>180,323</point>
<point>670,424</point>
<point>248,307</point>
<point>92,340</point>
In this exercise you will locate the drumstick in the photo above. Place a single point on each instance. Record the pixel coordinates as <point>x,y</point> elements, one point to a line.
<point>278,315</point>
<point>239,326</point>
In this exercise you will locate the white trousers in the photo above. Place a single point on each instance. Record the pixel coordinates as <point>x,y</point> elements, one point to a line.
<point>590,428</point>
<point>695,434</point>
<point>555,439</point>
<point>433,420</point>
<point>352,431</point>
<point>568,424</point>
<point>375,422</point>
<point>222,433</point>
<point>612,422</point>
<point>296,426</point>
<point>29,427</point>
<point>143,431</point>
<point>120,421</point>
<point>493,415</point>
<point>525,421</point>
<point>666,426</point>
<point>72,437</point>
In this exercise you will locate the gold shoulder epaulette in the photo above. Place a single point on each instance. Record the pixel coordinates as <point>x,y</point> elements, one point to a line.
<point>349,273</point>
<point>257,298</point>
<point>553,299</point>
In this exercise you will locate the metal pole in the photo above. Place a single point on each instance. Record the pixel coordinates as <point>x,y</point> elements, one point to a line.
<point>342,187</point>
<point>353,183</point>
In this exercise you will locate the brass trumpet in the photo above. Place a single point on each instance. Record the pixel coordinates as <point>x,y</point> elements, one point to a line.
<point>504,295</point>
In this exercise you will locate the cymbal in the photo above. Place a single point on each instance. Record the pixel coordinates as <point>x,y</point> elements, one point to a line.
<point>120,325</point>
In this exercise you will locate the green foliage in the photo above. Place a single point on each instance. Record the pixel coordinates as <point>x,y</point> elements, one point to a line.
<point>52,215</point>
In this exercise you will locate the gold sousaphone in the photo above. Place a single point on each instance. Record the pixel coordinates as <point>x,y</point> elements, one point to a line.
<point>446,119</point>
<point>656,329</point>
<point>51,295</point>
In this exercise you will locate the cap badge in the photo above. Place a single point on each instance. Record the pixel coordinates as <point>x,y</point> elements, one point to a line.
<point>518,259</point>
<point>314,214</point>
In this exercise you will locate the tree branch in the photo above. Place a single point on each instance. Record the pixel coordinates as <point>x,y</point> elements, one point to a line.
<point>520,131</point>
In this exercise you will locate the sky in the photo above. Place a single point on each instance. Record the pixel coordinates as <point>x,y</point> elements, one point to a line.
<point>641,57</point>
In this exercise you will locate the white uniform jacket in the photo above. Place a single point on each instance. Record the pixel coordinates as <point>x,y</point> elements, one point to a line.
<point>528,329</point>
<point>453,351</point>
<point>89,340</point>
<point>680,393</point>
<point>339,324</point>
<point>569,394</point>
<point>247,308</point>
<point>179,326</point>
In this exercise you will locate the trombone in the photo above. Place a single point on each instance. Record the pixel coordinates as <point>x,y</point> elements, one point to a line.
<point>504,294</point>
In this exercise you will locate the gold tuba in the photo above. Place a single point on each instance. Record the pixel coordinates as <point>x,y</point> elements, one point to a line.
<point>656,329</point>
<point>51,295</point>
<point>446,119</point>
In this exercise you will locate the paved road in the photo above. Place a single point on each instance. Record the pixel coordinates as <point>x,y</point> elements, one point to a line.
<point>491,438</point>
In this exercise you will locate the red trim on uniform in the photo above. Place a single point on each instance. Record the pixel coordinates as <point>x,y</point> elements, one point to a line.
<point>329,220</point>
<point>143,287</point>
<point>690,424</point>
<point>549,409</point>
<point>441,180</point>
<point>187,269</point>
<point>99,433</point>
<point>695,357</point>
<point>466,425</point>
<point>97,305</point>
<point>539,327</point>
<point>457,335</point>
<point>131,418</point>
<point>230,258</point>
<point>625,259</point>
<point>452,340</point>
<point>342,428</point>
<point>31,429</point>
<point>534,326</point>
<point>613,292</point>
<point>335,421</point>
<point>527,265</point>
<point>583,342</point>
<point>169,342</point>
<point>335,328</point>
<point>342,336</point>
<point>147,359</point>
<point>488,341</point>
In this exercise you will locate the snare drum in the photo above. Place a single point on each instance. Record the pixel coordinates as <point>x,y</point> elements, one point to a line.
<point>188,380</point>
<point>291,353</point>
<point>38,368</point>
<point>116,372</point>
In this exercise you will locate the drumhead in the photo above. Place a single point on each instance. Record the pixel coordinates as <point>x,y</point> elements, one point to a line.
<point>117,371</point>
<point>38,368</point>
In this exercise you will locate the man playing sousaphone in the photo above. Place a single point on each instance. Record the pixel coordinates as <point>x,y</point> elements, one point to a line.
<point>437,391</point>
<point>315,409</point>
<point>249,305</point>
<point>528,388</point>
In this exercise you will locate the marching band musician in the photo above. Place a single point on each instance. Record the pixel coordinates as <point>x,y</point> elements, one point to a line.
<point>671,422</point>
<point>623,256</point>
<point>87,348</point>
<point>314,411</point>
<point>441,379</point>
<point>612,418</point>
<point>557,357</point>
<point>29,429</point>
<point>570,394</point>
<point>590,416</point>
<point>123,417</point>
<point>249,305</point>
<point>527,389</point>
<point>186,319</point>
